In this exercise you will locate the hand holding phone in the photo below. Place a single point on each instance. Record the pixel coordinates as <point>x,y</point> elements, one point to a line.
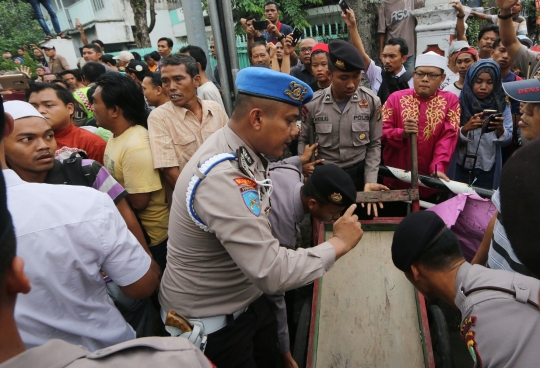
<point>13,82</point>
<point>491,122</point>
<point>296,35</point>
<point>260,25</point>
<point>343,5</point>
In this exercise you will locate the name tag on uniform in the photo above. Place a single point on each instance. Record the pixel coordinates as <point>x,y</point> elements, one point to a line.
<point>321,119</point>
<point>361,118</point>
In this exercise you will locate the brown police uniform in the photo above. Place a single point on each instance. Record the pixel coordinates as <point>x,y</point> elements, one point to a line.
<point>348,138</point>
<point>144,352</point>
<point>500,317</point>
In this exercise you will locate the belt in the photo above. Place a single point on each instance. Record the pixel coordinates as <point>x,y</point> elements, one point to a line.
<point>211,324</point>
<point>357,165</point>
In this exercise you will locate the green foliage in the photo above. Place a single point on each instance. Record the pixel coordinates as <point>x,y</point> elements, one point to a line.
<point>9,65</point>
<point>529,8</point>
<point>17,26</point>
<point>291,11</point>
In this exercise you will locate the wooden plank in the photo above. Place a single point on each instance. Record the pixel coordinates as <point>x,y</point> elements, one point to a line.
<point>388,196</point>
<point>367,311</point>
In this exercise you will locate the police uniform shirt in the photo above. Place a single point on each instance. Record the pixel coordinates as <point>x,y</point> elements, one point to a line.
<point>218,273</point>
<point>139,353</point>
<point>500,329</point>
<point>287,209</point>
<point>345,138</point>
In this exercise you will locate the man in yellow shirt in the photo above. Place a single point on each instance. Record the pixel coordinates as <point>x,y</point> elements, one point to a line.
<point>119,107</point>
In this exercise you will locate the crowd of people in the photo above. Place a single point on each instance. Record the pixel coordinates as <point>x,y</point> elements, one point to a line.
<point>141,209</point>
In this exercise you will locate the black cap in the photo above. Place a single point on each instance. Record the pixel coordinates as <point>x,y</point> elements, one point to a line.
<point>527,90</point>
<point>520,204</point>
<point>345,56</point>
<point>334,184</point>
<point>137,67</point>
<point>414,235</point>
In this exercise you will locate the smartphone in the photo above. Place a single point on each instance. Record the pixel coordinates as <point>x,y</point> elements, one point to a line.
<point>488,113</point>
<point>296,35</point>
<point>488,119</point>
<point>343,5</point>
<point>13,82</point>
<point>260,25</point>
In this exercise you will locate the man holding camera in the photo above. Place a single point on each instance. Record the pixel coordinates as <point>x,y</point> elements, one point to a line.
<point>276,31</point>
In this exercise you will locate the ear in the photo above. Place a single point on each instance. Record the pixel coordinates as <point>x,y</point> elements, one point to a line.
<point>159,90</point>
<point>404,59</point>
<point>10,124</point>
<point>115,111</point>
<point>256,116</point>
<point>197,80</point>
<point>199,66</point>
<point>71,108</point>
<point>312,203</point>
<point>415,272</point>
<point>16,280</point>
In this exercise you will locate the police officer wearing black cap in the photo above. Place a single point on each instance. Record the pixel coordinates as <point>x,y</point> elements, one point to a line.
<point>325,195</point>
<point>346,120</point>
<point>499,309</point>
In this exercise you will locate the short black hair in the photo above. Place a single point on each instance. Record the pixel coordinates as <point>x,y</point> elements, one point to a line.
<point>136,55</point>
<point>92,71</point>
<point>442,254</point>
<point>118,90</point>
<point>75,72</point>
<point>197,53</point>
<point>155,55</point>
<point>490,28</point>
<point>496,43</point>
<point>403,47</point>
<point>255,44</point>
<point>92,46</point>
<point>63,94</point>
<point>155,78</point>
<point>169,41</point>
<point>99,42</point>
<point>252,17</point>
<point>90,93</point>
<point>182,59</point>
<point>146,57</point>
<point>271,3</point>
<point>56,81</point>
<point>107,58</point>
<point>317,52</point>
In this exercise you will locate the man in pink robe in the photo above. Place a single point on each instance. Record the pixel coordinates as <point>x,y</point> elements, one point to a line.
<point>432,114</point>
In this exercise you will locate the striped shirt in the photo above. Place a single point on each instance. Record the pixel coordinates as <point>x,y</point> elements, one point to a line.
<point>96,176</point>
<point>501,255</point>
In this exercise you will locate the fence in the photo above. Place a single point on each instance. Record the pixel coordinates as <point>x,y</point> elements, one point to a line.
<point>321,32</point>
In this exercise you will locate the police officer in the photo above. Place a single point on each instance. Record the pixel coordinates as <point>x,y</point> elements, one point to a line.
<point>499,309</point>
<point>346,120</point>
<point>222,255</point>
<point>325,195</point>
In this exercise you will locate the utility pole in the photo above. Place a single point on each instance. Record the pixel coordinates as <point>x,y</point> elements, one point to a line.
<point>196,34</point>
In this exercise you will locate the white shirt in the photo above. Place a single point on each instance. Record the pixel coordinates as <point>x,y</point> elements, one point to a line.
<point>452,88</point>
<point>209,91</point>
<point>66,236</point>
<point>451,78</point>
<point>374,76</point>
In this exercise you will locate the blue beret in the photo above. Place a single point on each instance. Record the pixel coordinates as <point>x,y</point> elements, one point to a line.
<point>268,83</point>
<point>414,235</point>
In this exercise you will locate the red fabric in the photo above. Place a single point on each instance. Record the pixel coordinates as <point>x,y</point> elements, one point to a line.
<point>438,128</point>
<point>75,137</point>
<point>320,46</point>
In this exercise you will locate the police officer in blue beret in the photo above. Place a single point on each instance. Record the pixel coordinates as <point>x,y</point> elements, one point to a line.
<point>346,120</point>
<point>222,255</point>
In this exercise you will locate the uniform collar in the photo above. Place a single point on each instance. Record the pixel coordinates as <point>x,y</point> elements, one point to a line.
<point>12,179</point>
<point>234,141</point>
<point>460,280</point>
<point>328,98</point>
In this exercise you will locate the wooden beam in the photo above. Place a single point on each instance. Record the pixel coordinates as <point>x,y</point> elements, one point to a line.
<point>387,196</point>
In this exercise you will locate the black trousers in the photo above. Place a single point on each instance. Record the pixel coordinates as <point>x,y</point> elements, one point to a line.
<point>250,341</point>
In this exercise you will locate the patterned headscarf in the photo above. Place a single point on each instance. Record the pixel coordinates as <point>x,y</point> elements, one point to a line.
<point>469,103</point>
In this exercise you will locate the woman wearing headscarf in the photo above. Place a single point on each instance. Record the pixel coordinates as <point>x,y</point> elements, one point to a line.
<point>477,159</point>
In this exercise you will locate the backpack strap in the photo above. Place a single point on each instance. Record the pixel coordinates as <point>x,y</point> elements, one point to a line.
<point>84,99</point>
<point>196,179</point>
<point>72,170</point>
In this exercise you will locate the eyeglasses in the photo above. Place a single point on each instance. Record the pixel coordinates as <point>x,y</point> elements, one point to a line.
<point>306,50</point>
<point>431,76</point>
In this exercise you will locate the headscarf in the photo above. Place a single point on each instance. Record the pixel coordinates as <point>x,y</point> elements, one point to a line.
<point>469,103</point>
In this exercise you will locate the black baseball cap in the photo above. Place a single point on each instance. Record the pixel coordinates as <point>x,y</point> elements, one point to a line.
<point>527,90</point>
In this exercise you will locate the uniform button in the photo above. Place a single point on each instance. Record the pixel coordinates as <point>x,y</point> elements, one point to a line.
<point>520,287</point>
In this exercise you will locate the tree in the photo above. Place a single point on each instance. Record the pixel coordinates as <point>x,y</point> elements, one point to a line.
<point>142,29</point>
<point>18,26</point>
<point>367,19</point>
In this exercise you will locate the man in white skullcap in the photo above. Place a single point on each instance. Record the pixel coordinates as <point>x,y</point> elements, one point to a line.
<point>430,113</point>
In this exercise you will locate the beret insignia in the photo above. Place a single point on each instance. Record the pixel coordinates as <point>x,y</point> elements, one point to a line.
<point>296,91</point>
<point>340,64</point>
<point>336,197</point>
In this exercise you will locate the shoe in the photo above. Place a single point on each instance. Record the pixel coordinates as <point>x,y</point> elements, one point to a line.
<point>64,36</point>
<point>48,38</point>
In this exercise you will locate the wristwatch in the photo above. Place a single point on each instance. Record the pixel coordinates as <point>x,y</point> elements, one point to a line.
<point>460,16</point>
<point>281,37</point>
<point>503,17</point>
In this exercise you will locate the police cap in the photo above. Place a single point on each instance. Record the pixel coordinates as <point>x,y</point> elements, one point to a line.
<point>345,57</point>
<point>334,184</point>
<point>414,235</point>
<point>268,83</point>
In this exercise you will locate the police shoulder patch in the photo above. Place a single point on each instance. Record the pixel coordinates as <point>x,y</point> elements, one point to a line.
<point>246,182</point>
<point>251,200</point>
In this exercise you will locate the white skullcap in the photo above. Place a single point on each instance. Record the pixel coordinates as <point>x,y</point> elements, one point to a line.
<point>431,59</point>
<point>456,46</point>
<point>20,109</point>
